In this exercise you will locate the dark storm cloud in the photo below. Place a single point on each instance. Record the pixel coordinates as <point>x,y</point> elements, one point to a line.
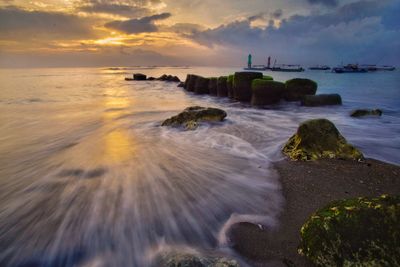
<point>331,3</point>
<point>145,24</point>
<point>130,8</point>
<point>16,23</point>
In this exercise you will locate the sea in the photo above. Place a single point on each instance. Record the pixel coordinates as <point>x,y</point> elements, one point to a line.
<point>89,178</point>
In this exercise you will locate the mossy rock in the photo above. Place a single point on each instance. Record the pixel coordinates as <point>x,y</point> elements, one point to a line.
<point>229,84</point>
<point>190,82</point>
<point>321,100</point>
<point>212,86</point>
<point>366,112</point>
<point>354,232</point>
<point>242,85</point>
<point>222,88</point>
<point>317,139</point>
<point>297,88</point>
<point>177,259</point>
<point>266,92</point>
<point>191,116</point>
<point>269,78</point>
<point>201,86</point>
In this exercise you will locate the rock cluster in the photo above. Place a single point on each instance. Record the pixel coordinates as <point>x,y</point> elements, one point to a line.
<point>366,112</point>
<point>179,259</point>
<point>143,77</point>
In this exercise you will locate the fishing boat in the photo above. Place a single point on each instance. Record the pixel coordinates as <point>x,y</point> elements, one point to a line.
<point>350,68</point>
<point>369,67</point>
<point>287,68</point>
<point>320,67</point>
<point>389,68</point>
<point>256,67</point>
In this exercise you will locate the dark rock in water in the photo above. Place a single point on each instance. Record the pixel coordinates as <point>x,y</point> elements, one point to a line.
<point>168,78</point>
<point>354,232</point>
<point>180,259</point>
<point>181,84</point>
<point>222,89</point>
<point>321,100</point>
<point>191,116</point>
<point>297,88</point>
<point>190,82</point>
<point>317,139</point>
<point>366,112</point>
<point>212,86</point>
<point>139,77</point>
<point>269,78</point>
<point>229,85</point>
<point>242,85</point>
<point>129,79</point>
<point>266,92</point>
<point>151,79</point>
<point>201,86</point>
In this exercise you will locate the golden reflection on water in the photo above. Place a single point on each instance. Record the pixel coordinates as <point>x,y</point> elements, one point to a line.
<point>118,142</point>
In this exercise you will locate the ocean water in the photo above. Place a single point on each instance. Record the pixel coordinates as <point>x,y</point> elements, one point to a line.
<point>89,178</point>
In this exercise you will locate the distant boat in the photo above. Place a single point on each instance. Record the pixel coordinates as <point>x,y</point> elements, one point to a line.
<point>320,67</point>
<point>369,67</point>
<point>350,68</point>
<point>256,67</point>
<point>389,68</point>
<point>287,68</point>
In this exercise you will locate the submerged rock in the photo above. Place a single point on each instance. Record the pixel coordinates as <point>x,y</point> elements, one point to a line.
<point>266,92</point>
<point>168,78</point>
<point>317,139</point>
<point>242,84</point>
<point>151,79</point>
<point>366,112</point>
<point>222,88</point>
<point>321,100</point>
<point>191,116</point>
<point>176,259</point>
<point>139,77</point>
<point>201,85</point>
<point>212,86</point>
<point>229,85</point>
<point>354,232</point>
<point>297,88</point>
<point>181,84</point>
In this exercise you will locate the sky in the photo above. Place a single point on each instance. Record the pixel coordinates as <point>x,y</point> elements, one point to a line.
<point>85,33</point>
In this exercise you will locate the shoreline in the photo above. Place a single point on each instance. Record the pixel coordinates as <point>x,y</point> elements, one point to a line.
<point>306,187</point>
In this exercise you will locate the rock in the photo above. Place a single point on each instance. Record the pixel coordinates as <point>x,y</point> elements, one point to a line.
<point>266,92</point>
<point>242,84</point>
<point>128,79</point>
<point>201,86</point>
<point>222,89</point>
<point>354,232</point>
<point>168,78</point>
<point>297,88</point>
<point>212,85</point>
<point>139,77</point>
<point>191,116</point>
<point>317,139</point>
<point>269,78</point>
<point>191,82</point>
<point>229,85</point>
<point>366,112</point>
<point>321,100</point>
<point>151,79</point>
<point>181,84</point>
<point>179,259</point>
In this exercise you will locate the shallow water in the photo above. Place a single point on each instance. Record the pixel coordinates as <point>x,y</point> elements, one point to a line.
<point>88,178</point>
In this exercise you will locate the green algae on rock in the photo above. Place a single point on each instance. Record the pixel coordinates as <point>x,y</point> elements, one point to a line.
<point>242,84</point>
<point>297,88</point>
<point>319,138</point>
<point>266,92</point>
<point>269,78</point>
<point>354,232</point>
<point>222,89</point>
<point>194,260</point>
<point>191,116</point>
<point>229,84</point>
<point>366,112</point>
<point>201,85</point>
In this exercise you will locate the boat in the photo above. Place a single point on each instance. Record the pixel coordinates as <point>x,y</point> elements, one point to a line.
<point>369,67</point>
<point>320,67</point>
<point>350,68</point>
<point>389,68</point>
<point>287,68</point>
<point>256,67</point>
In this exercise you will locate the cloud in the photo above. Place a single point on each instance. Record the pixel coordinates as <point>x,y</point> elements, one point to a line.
<point>129,8</point>
<point>331,3</point>
<point>132,26</point>
<point>16,24</point>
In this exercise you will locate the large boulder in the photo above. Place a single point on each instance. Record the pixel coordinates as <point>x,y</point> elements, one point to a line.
<point>212,86</point>
<point>266,92</point>
<point>297,88</point>
<point>191,116</point>
<point>366,112</point>
<point>229,85</point>
<point>190,82</point>
<point>182,259</point>
<point>168,78</point>
<point>201,85</point>
<point>317,139</point>
<point>354,232</point>
<point>242,85</point>
<point>321,100</point>
<point>222,89</point>
<point>139,77</point>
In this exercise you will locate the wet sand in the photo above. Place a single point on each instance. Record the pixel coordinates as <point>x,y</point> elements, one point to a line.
<point>306,187</point>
